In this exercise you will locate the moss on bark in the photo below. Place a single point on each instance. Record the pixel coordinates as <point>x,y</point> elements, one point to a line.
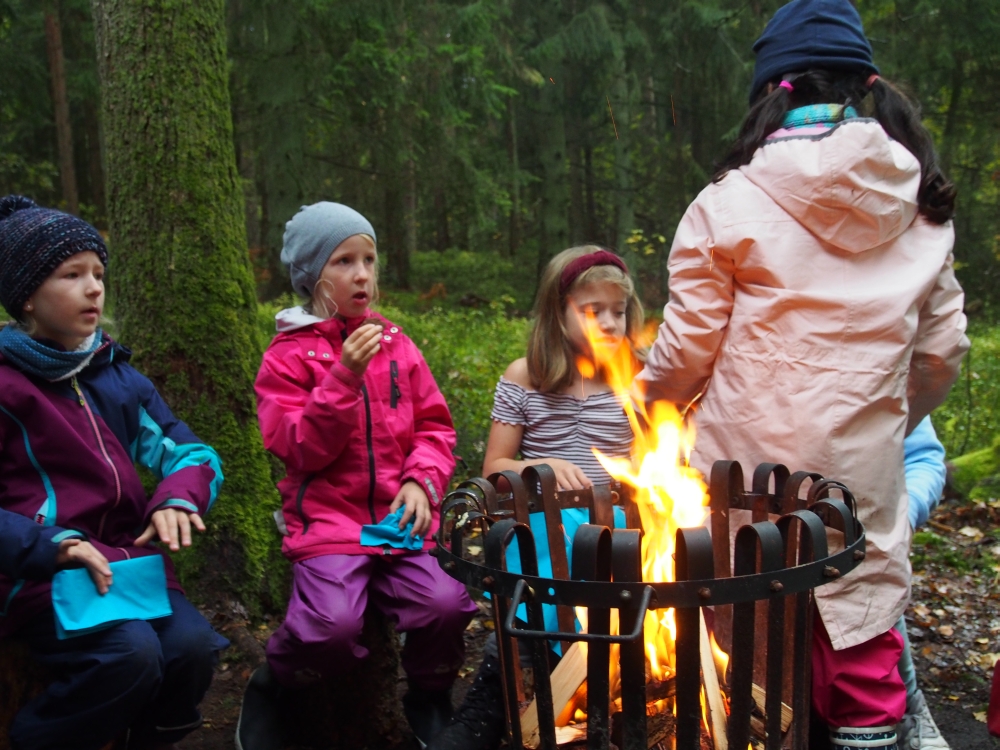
<point>180,273</point>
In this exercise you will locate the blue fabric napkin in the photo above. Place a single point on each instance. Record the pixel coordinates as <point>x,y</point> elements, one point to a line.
<point>387,532</point>
<point>139,592</point>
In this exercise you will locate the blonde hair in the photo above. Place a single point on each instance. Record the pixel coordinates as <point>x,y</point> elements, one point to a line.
<point>551,359</point>
<point>321,301</point>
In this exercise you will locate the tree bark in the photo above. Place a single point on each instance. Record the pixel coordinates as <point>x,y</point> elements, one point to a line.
<point>514,230</point>
<point>182,283</point>
<point>95,159</point>
<point>555,187</point>
<point>621,101</point>
<point>64,132</point>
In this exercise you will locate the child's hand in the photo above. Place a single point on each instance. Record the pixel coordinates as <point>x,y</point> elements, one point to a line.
<point>418,507</point>
<point>569,476</point>
<point>360,347</point>
<point>74,552</point>
<point>173,527</point>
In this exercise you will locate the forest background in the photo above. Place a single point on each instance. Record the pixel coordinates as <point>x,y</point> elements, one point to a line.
<point>483,137</point>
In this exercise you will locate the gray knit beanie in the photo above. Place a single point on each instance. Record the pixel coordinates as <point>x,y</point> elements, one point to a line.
<point>312,235</point>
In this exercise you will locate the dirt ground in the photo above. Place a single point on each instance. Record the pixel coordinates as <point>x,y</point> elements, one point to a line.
<point>953,623</point>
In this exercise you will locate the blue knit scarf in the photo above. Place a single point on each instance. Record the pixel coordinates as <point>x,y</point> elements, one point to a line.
<point>35,358</point>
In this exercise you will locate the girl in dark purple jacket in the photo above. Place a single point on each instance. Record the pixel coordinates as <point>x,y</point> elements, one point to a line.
<point>75,418</point>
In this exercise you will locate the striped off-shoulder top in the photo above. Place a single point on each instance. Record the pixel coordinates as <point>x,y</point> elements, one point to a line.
<point>560,425</point>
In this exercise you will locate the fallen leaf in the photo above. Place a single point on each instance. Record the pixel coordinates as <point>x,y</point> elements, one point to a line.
<point>473,549</point>
<point>980,716</point>
<point>971,531</point>
<point>984,641</point>
<point>946,630</point>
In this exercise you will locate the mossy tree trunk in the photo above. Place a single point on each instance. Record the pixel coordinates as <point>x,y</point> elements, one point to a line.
<point>181,281</point>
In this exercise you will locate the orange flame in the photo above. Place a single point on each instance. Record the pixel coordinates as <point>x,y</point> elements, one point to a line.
<point>669,493</point>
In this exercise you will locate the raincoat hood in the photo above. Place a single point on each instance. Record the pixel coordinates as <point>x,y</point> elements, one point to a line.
<point>294,318</point>
<point>852,186</point>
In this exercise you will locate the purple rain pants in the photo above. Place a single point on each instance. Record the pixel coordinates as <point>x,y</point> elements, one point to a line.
<point>319,638</point>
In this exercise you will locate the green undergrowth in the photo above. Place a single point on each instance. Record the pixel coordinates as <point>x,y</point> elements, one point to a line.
<point>968,423</point>
<point>969,419</point>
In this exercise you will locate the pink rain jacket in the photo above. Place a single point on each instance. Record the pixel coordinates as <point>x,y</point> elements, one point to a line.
<point>820,316</point>
<point>348,443</point>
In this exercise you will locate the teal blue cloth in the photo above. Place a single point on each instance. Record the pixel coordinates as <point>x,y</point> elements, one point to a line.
<point>387,532</point>
<point>139,592</point>
<point>817,114</point>
<point>572,519</point>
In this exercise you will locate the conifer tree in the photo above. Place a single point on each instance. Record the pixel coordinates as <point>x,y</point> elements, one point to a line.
<point>181,283</point>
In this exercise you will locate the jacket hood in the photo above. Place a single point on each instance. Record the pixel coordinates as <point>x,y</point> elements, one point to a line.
<point>852,186</point>
<point>294,318</point>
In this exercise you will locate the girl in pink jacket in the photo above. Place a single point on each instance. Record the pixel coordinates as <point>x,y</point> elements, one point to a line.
<point>815,312</point>
<point>348,403</point>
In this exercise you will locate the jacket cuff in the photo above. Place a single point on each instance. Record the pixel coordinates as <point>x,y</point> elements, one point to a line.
<point>426,484</point>
<point>40,564</point>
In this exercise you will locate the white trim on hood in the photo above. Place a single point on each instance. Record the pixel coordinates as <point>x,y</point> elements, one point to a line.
<point>293,318</point>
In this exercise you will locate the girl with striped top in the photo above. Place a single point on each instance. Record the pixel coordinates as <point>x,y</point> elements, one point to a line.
<point>554,407</point>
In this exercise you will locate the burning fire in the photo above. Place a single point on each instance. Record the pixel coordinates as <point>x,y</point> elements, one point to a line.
<point>669,493</point>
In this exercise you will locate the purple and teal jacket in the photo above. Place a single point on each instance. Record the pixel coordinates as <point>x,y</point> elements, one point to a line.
<point>68,455</point>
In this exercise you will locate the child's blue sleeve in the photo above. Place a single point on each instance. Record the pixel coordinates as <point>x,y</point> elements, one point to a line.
<point>27,549</point>
<point>923,458</point>
<point>189,471</point>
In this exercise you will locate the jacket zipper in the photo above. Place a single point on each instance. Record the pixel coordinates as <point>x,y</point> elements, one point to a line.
<point>104,450</point>
<point>371,454</point>
<point>393,383</point>
<point>300,498</point>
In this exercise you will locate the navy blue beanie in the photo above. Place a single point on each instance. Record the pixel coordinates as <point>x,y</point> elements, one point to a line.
<point>34,241</point>
<point>824,34</point>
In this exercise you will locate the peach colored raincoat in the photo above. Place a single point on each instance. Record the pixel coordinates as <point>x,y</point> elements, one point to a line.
<point>820,316</point>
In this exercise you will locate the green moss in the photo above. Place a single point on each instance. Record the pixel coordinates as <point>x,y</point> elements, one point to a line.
<point>977,475</point>
<point>180,273</point>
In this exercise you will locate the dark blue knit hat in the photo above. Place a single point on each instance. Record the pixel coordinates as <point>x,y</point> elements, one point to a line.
<point>33,242</point>
<point>804,34</point>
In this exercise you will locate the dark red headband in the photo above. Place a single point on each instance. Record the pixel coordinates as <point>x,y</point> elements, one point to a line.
<point>601,258</point>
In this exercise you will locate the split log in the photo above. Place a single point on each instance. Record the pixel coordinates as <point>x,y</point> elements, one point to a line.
<point>760,698</point>
<point>569,674</point>
<point>710,681</point>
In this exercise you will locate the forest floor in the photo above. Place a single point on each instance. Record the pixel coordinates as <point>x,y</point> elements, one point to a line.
<point>953,623</point>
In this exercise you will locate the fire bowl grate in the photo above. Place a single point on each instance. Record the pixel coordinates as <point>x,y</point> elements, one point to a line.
<point>762,580</point>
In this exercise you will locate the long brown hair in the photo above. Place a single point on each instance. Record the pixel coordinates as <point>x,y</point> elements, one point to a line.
<point>897,113</point>
<point>551,359</point>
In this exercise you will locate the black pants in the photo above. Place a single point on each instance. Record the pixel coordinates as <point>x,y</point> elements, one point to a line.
<point>145,676</point>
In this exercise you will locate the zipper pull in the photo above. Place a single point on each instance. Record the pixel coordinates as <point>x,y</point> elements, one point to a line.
<point>79,393</point>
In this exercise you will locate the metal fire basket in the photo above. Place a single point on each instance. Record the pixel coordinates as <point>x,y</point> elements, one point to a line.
<point>779,562</point>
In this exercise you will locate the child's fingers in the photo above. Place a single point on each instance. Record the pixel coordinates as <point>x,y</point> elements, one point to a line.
<point>423,524</point>
<point>407,515</point>
<point>196,520</point>
<point>166,527</point>
<point>146,536</point>
<point>184,526</point>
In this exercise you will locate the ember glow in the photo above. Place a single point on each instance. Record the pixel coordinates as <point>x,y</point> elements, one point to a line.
<point>668,493</point>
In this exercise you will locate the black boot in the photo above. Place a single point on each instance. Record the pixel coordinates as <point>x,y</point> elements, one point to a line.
<point>262,724</point>
<point>427,711</point>
<point>480,722</point>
